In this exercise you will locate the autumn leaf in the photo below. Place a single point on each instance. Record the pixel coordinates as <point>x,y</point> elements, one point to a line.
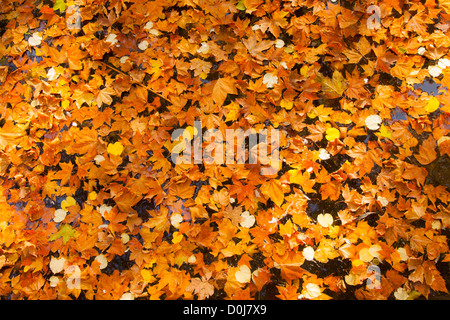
<point>335,86</point>
<point>234,214</point>
<point>202,288</point>
<point>222,88</point>
<point>427,151</point>
<point>104,96</point>
<point>115,148</point>
<point>85,140</point>
<point>59,5</point>
<point>66,232</point>
<point>332,134</point>
<point>325,220</point>
<point>57,264</point>
<point>256,47</point>
<point>274,191</point>
<point>93,95</point>
<point>243,274</point>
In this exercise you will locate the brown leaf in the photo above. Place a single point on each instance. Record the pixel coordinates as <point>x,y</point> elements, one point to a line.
<point>427,151</point>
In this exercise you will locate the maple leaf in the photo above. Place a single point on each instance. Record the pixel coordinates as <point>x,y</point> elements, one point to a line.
<point>59,5</point>
<point>427,151</point>
<point>201,287</point>
<point>66,232</point>
<point>104,96</point>
<point>335,86</point>
<point>9,135</point>
<point>222,88</point>
<point>256,47</point>
<point>260,277</point>
<point>274,191</point>
<point>234,214</point>
<point>444,215</point>
<point>418,24</point>
<point>419,241</point>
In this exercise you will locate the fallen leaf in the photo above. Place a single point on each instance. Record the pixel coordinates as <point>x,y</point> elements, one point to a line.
<point>115,148</point>
<point>57,264</point>
<point>243,274</point>
<point>325,220</point>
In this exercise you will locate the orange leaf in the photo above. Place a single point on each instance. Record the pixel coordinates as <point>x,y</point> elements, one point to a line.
<point>222,87</point>
<point>427,152</point>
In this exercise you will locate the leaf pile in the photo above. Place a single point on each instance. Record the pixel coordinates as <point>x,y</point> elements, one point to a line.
<point>91,205</point>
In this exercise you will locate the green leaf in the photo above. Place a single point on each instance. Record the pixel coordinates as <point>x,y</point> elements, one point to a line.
<point>66,232</point>
<point>414,295</point>
<point>241,6</point>
<point>60,5</point>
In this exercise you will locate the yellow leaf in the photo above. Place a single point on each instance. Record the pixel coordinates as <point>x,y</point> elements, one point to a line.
<point>336,85</point>
<point>325,220</point>
<point>177,237</point>
<point>350,279</point>
<point>385,132</point>
<point>357,262</point>
<point>332,133</point>
<point>147,275</point>
<point>286,104</point>
<point>115,148</point>
<point>233,111</point>
<point>179,146</point>
<point>60,215</point>
<point>274,191</point>
<point>304,70</point>
<point>68,202</point>
<point>247,219</point>
<point>432,105</point>
<point>364,255</point>
<point>92,195</point>
<point>59,5</point>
